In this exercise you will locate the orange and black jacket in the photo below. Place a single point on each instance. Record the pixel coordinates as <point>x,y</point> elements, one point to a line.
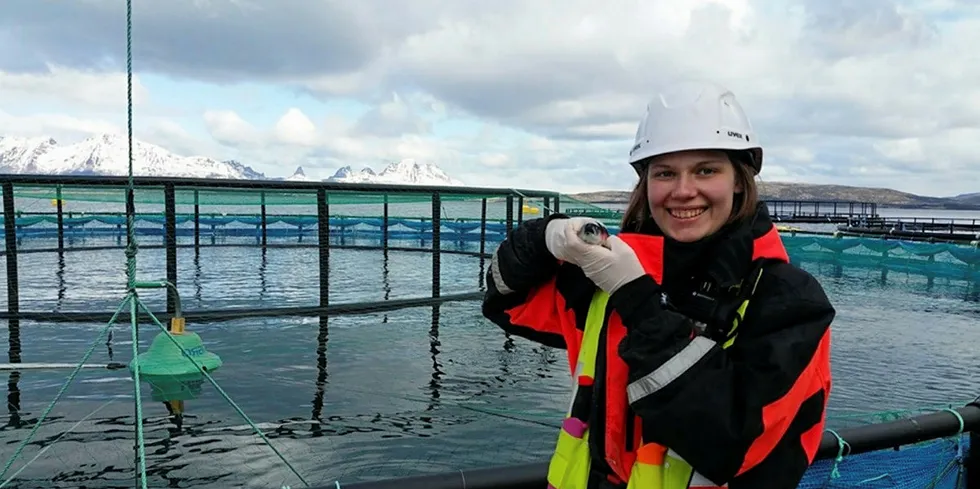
<point>751,415</point>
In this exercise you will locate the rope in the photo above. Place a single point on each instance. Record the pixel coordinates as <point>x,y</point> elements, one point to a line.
<point>131,248</point>
<point>528,199</point>
<point>47,447</point>
<point>958,418</point>
<point>841,445</point>
<point>957,460</point>
<point>44,415</point>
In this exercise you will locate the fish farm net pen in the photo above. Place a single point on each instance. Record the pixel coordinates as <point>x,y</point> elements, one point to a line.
<point>392,220</point>
<point>78,216</point>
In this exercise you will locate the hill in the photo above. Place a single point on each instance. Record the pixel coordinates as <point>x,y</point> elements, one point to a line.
<point>804,191</point>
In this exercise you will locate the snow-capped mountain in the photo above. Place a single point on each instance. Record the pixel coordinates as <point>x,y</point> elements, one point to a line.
<point>108,154</point>
<point>347,175</point>
<point>21,155</point>
<point>407,172</point>
<point>299,176</point>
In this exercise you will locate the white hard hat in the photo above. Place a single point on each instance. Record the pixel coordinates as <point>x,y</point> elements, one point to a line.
<point>695,115</point>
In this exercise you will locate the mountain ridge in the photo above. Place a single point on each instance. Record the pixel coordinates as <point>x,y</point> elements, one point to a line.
<point>830,192</point>
<point>404,170</point>
<point>108,155</point>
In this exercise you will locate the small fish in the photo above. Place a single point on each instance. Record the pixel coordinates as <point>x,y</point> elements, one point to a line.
<point>593,233</point>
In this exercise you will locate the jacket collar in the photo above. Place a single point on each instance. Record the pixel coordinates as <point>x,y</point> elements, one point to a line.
<point>721,260</point>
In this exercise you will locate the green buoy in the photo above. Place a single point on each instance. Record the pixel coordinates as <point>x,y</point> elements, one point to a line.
<point>165,359</point>
<point>172,375</point>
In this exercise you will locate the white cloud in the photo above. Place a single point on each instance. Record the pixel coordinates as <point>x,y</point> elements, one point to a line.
<point>876,92</point>
<point>294,127</point>
<point>90,90</point>
<point>46,124</point>
<point>227,127</point>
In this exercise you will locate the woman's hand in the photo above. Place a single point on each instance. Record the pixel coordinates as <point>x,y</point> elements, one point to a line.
<point>562,240</point>
<point>610,266</point>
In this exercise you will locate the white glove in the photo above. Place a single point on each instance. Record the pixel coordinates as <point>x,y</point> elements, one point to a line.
<point>610,266</point>
<point>561,237</point>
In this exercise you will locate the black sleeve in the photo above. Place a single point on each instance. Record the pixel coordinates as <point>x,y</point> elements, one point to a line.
<point>520,266</point>
<point>750,415</point>
<point>522,260</point>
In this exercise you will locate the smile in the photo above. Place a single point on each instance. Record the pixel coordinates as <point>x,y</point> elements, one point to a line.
<point>685,214</point>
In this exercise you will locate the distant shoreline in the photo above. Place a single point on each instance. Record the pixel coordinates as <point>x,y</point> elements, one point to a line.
<point>883,197</point>
<point>946,207</point>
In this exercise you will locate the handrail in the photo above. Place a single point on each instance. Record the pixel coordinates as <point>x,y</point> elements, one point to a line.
<point>259,184</point>
<point>859,439</point>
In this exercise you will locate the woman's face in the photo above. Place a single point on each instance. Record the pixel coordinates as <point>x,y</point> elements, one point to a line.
<point>691,193</point>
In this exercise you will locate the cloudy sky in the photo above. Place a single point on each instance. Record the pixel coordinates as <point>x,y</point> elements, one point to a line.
<point>529,93</point>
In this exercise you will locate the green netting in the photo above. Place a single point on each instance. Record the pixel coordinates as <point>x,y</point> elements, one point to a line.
<point>569,202</point>
<point>871,250</point>
<point>257,196</point>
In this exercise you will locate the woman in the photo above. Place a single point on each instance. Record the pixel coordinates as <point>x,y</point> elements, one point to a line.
<point>700,356</point>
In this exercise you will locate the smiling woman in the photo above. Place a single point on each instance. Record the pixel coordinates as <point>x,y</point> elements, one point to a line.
<point>673,368</point>
<point>696,154</point>
<point>692,194</point>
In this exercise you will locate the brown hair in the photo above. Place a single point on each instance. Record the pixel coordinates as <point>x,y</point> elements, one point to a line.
<point>638,209</point>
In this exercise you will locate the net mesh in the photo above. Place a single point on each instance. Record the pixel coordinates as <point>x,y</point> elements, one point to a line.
<point>935,464</point>
<point>86,448</point>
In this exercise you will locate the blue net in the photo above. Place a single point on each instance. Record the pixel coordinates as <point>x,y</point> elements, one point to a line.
<point>937,464</point>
